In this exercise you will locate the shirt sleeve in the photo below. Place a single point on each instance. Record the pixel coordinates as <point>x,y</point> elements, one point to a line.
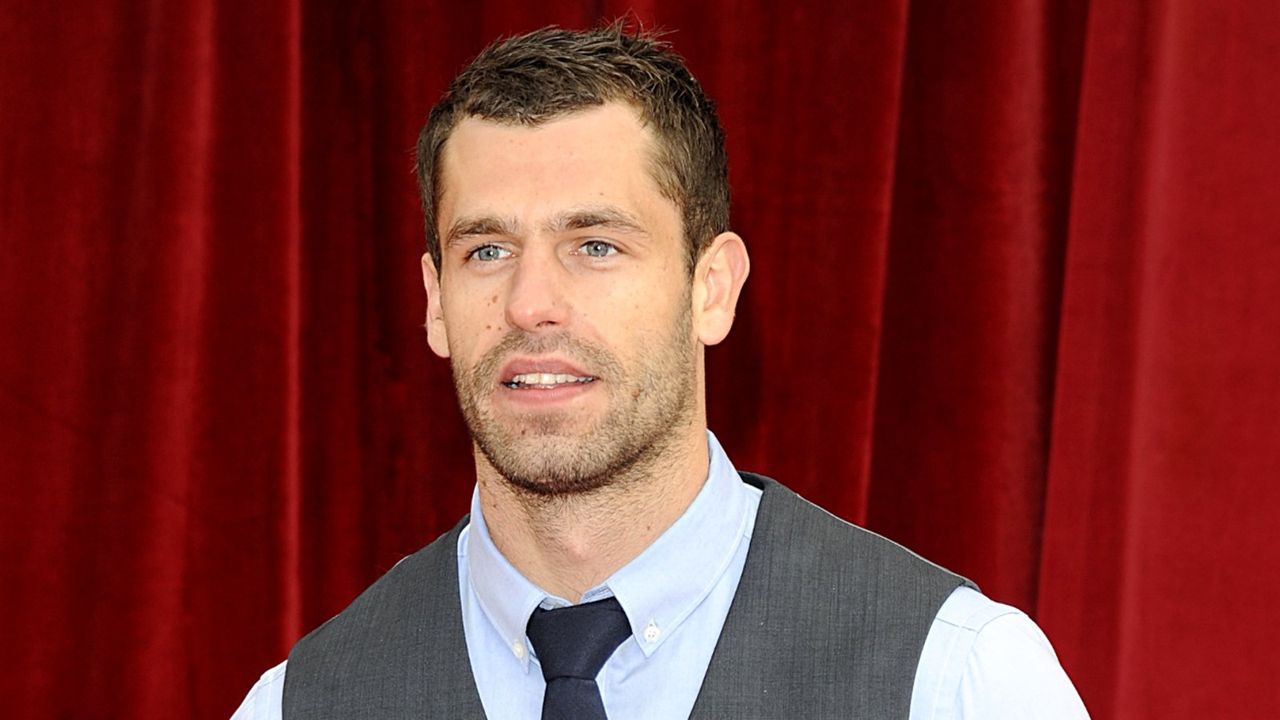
<point>990,661</point>
<point>264,701</point>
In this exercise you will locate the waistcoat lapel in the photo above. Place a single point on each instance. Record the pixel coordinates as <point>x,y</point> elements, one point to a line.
<point>828,620</point>
<point>397,652</point>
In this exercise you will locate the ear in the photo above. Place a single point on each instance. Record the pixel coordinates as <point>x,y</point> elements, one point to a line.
<point>437,336</point>
<point>717,282</point>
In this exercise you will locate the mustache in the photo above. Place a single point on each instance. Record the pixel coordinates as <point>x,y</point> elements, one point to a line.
<point>594,359</point>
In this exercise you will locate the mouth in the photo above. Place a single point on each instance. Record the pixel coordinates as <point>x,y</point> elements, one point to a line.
<point>546,381</point>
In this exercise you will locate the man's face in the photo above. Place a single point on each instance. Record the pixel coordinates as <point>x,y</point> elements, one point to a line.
<point>562,299</point>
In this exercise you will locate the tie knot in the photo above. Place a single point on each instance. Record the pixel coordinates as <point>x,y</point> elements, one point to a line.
<point>575,642</point>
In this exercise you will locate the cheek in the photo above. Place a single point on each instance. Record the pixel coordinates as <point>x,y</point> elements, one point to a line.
<point>634,315</point>
<point>473,307</point>
<point>489,315</point>
<point>473,329</point>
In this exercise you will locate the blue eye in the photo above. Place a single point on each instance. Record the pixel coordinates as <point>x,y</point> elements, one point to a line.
<point>488,253</point>
<point>598,248</point>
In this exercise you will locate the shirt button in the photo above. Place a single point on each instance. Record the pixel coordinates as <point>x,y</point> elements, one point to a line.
<point>652,633</point>
<point>518,648</point>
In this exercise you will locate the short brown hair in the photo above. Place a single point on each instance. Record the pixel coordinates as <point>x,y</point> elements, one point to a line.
<point>549,73</point>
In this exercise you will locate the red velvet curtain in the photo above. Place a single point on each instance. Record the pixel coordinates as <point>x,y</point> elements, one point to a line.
<point>1015,303</point>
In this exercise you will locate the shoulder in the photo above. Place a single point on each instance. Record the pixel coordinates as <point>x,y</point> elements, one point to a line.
<point>389,614</point>
<point>858,610</point>
<point>430,575</point>
<point>375,647</point>
<point>970,612</point>
<point>983,659</point>
<point>832,541</point>
<point>264,699</point>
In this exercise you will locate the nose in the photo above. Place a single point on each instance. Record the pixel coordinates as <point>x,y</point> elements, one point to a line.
<point>537,299</point>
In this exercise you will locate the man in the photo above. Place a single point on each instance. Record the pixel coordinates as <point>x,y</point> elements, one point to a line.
<point>614,563</point>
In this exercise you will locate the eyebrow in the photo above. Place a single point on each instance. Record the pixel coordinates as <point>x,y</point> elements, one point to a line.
<point>606,216</point>
<point>465,227</point>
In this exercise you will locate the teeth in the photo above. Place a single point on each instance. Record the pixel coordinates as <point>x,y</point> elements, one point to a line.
<point>548,379</point>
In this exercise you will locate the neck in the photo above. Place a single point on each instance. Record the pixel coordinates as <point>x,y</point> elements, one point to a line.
<point>568,544</point>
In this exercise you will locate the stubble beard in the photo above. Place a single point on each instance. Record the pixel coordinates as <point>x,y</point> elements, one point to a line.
<point>552,454</point>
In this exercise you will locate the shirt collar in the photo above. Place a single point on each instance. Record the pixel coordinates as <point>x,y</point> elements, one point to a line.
<point>658,589</point>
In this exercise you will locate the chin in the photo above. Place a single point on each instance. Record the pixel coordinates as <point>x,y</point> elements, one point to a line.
<point>556,465</point>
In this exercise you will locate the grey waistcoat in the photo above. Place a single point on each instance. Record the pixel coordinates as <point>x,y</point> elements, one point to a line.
<point>828,622</point>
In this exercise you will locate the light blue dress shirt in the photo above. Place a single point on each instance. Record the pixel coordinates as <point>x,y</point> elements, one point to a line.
<point>980,659</point>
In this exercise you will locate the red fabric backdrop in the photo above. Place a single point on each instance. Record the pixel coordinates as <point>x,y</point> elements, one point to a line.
<point>1015,303</point>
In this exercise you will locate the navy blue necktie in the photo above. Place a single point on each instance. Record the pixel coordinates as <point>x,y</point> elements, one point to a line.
<point>573,643</point>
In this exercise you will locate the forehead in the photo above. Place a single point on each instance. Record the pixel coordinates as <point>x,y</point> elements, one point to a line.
<point>599,155</point>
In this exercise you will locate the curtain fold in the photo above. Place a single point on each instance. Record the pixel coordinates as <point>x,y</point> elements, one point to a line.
<point>975,272</point>
<point>1015,303</point>
<point>1166,445</point>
